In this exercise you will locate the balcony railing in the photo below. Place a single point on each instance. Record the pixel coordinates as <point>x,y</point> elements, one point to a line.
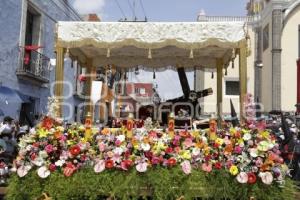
<point>33,66</point>
<point>204,18</point>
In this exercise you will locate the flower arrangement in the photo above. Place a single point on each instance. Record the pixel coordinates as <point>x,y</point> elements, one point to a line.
<point>248,154</point>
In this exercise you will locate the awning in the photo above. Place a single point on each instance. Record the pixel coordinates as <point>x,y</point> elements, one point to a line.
<point>152,44</point>
<point>8,96</point>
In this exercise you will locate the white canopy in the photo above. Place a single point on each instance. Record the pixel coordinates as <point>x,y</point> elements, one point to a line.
<point>152,44</point>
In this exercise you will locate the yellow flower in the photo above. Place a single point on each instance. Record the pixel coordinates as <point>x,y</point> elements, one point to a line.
<point>219,141</point>
<point>265,134</point>
<point>232,131</point>
<point>81,128</point>
<point>186,155</point>
<point>234,170</point>
<point>42,133</point>
<point>196,134</point>
<point>206,150</point>
<point>60,128</point>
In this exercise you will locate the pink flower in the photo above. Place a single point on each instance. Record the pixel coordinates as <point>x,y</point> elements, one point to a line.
<point>141,167</point>
<point>118,142</point>
<point>155,160</point>
<point>101,147</point>
<point>206,167</point>
<point>100,166</point>
<point>188,143</point>
<point>186,167</point>
<point>49,148</point>
<point>238,150</point>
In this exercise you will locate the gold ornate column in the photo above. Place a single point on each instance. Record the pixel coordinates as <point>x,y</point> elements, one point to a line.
<point>90,73</point>
<point>242,76</point>
<point>219,91</point>
<point>59,78</point>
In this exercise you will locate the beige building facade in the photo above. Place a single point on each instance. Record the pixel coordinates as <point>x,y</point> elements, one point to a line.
<point>274,32</point>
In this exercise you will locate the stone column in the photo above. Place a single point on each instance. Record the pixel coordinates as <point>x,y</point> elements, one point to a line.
<point>242,76</point>
<point>258,65</point>
<point>276,58</point>
<point>219,90</point>
<point>59,78</point>
<point>91,74</point>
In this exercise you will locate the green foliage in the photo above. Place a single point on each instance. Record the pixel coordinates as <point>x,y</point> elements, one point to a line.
<point>161,183</point>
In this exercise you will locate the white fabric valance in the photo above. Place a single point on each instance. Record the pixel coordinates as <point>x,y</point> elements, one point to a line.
<point>170,43</point>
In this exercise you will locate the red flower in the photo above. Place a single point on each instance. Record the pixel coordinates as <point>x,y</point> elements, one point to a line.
<point>171,162</point>
<point>69,170</point>
<point>218,165</point>
<point>216,145</point>
<point>47,123</point>
<point>109,164</point>
<point>251,178</point>
<point>148,154</point>
<point>52,167</point>
<point>33,156</point>
<point>82,78</point>
<point>126,164</point>
<point>75,150</point>
<point>169,150</point>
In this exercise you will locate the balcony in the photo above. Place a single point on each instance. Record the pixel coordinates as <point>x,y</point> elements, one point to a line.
<point>34,66</point>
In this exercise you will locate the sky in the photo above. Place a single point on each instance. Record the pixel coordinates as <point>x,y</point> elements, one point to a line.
<point>160,10</point>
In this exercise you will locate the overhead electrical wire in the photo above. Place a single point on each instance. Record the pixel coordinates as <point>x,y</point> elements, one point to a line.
<point>142,6</point>
<point>120,8</point>
<point>132,9</point>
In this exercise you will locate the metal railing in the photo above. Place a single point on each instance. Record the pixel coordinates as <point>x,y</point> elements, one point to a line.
<point>225,18</point>
<point>34,63</point>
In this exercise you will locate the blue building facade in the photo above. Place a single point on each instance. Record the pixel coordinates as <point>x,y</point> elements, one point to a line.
<point>27,58</point>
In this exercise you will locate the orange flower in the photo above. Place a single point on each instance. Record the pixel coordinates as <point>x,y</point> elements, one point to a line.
<point>57,134</point>
<point>47,123</point>
<point>184,134</point>
<point>105,131</point>
<point>228,148</point>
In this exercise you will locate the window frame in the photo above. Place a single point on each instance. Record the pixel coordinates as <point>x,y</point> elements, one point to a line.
<point>225,83</point>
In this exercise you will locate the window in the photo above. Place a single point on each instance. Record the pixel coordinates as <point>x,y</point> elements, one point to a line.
<point>137,90</point>
<point>266,37</point>
<point>142,91</point>
<point>232,87</point>
<point>33,26</point>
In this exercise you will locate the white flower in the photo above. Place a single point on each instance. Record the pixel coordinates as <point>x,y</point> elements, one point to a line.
<point>32,131</point>
<point>121,138</point>
<point>59,163</point>
<point>28,148</point>
<point>253,152</point>
<point>43,154</point>
<point>145,146</point>
<point>118,150</point>
<point>195,151</point>
<point>43,172</point>
<point>266,177</point>
<point>242,177</point>
<point>247,136</point>
<point>100,166</point>
<point>23,170</point>
<point>39,161</point>
<point>141,167</point>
